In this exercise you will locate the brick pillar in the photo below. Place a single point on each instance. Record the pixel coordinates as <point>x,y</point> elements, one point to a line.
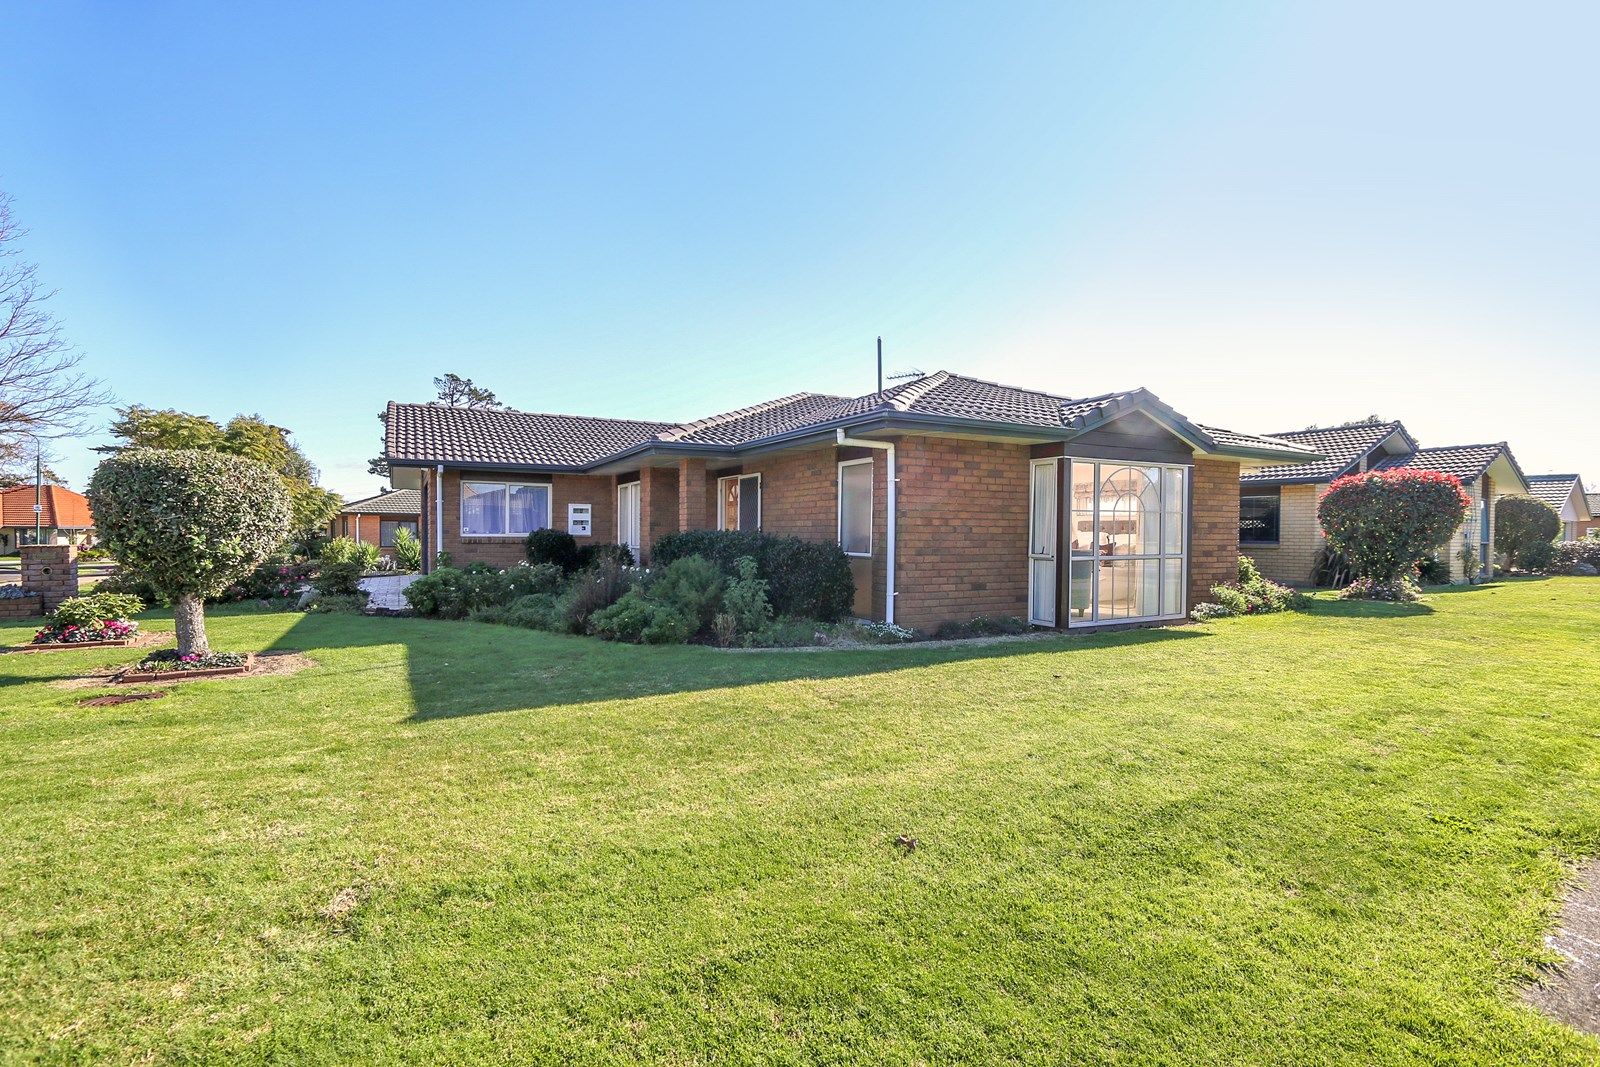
<point>1213,527</point>
<point>51,571</point>
<point>692,502</point>
<point>658,506</point>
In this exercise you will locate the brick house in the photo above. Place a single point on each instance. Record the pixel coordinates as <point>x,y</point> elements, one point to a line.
<point>63,516</point>
<point>1278,524</point>
<point>946,492</point>
<point>375,519</point>
<point>1585,527</point>
<point>1564,493</point>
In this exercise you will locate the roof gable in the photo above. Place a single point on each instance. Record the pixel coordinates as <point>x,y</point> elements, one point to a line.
<point>1555,489</point>
<point>61,508</point>
<point>406,503</point>
<point>1342,449</point>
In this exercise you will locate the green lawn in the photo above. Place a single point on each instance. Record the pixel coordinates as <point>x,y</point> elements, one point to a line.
<point>1333,837</point>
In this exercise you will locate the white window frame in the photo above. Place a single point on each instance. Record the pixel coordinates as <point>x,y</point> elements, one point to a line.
<point>839,506</point>
<point>461,505</point>
<point>637,489</point>
<point>761,496</point>
<point>1158,557</point>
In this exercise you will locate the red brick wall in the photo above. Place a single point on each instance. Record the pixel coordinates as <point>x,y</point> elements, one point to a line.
<point>800,498</point>
<point>366,530</point>
<point>963,530</point>
<point>600,491</point>
<point>1214,527</point>
<point>658,505</point>
<point>50,571</point>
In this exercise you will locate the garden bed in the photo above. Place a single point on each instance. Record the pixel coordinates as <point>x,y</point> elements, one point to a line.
<point>139,640</point>
<point>134,675</point>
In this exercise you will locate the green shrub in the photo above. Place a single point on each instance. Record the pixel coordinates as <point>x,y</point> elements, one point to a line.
<point>1538,557</point>
<point>1435,570</point>
<point>745,599</point>
<point>589,555</point>
<point>1252,594</point>
<point>341,566</point>
<point>553,546</point>
<point>456,592</point>
<point>407,550</point>
<point>692,587</point>
<point>598,587</point>
<point>982,626</point>
<point>805,578</point>
<point>1385,522</point>
<point>1523,525</point>
<point>95,607</point>
<point>1576,557</point>
<point>638,618</point>
<point>1402,590</point>
<point>190,523</point>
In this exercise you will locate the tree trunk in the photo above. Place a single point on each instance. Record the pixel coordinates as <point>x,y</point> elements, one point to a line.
<point>189,612</point>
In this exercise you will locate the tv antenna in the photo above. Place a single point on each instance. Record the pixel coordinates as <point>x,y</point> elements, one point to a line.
<point>902,376</point>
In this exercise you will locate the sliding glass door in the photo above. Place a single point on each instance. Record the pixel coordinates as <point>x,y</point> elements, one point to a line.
<point>1127,542</point>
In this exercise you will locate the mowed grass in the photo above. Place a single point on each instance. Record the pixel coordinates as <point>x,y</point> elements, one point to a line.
<point>1319,838</point>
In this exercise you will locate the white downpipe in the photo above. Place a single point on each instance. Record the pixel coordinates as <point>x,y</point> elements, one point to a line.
<point>438,517</point>
<point>892,507</point>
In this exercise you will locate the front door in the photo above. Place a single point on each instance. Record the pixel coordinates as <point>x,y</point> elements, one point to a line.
<point>1042,545</point>
<point>628,518</point>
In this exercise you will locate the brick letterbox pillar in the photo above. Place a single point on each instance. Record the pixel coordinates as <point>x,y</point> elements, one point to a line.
<point>51,571</point>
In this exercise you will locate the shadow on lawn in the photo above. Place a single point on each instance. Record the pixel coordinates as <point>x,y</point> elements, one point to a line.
<point>465,668</point>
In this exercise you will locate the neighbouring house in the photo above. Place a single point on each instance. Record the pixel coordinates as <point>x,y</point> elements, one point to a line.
<point>1278,523</point>
<point>375,519</point>
<point>1585,527</point>
<point>1564,493</point>
<point>63,517</point>
<point>952,497</point>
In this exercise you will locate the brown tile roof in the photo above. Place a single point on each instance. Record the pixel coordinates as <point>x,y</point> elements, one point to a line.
<point>431,433</point>
<point>1464,461</point>
<point>406,503</point>
<point>1553,489</point>
<point>438,434</point>
<point>1342,446</point>
<point>62,508</point>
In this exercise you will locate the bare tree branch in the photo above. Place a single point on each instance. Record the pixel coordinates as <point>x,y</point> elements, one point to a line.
<point>43,392</point>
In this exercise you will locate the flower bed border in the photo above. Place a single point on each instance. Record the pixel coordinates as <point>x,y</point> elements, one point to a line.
<point>59,646</point>
<point>130,676</point>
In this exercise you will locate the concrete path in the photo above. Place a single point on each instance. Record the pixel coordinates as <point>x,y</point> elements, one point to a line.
<point>387,593</point>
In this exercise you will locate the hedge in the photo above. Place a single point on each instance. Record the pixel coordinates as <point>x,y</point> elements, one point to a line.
<point>809,579</point>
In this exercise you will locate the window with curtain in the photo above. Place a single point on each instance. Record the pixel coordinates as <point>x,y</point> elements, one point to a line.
<point>855,507</point>
<point>503,509</point>
<point>387,529</point>
<point>740,502</point>
<point>1259,511</point>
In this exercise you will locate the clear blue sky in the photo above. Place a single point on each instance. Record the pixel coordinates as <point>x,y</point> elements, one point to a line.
<point>1270,215</point>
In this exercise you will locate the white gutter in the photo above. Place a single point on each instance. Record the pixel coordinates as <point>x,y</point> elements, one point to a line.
<point>894,479</point>
<point>438,518</point>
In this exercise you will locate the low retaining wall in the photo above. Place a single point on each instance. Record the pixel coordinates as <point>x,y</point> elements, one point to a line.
<point>21,607</point>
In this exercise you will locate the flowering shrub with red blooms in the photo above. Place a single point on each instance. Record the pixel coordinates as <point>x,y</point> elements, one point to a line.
<point>1384,522</point>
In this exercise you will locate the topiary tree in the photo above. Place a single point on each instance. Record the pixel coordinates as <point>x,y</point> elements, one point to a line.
<point>1521,524</point>
<point>1385,522</point>
<point>189,523</point>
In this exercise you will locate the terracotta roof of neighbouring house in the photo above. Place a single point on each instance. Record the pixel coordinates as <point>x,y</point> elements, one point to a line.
<point>1553,489</point>
<point>1341,447</point>
<point>62,508</point>
<point>432,433</point>
<point>404,502</point>
<point>1464,461</point>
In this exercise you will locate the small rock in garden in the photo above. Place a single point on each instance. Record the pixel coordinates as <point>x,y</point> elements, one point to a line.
<point>906,843</point>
